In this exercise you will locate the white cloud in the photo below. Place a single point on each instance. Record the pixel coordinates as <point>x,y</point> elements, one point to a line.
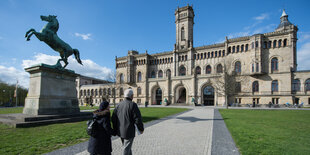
<point>303,36</point>
<point>89,67</point>
<point>303,57</point>
<point>84,36</point>
<point>10,75</point>
<point>261,17</point>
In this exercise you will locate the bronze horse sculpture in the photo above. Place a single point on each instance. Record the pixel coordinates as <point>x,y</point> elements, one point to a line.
<point>48,34</point>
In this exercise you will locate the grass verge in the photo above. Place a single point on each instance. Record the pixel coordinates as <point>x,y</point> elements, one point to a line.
<point>11,110</point>
<point>269,131</point>
<point>43,139</point>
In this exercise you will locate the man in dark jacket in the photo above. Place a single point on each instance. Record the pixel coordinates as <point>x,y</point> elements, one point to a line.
<point>125,116</point>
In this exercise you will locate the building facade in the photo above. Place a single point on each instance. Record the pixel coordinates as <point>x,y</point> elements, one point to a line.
<point>258,69</point>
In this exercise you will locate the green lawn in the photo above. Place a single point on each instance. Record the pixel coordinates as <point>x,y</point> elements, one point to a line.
<point>11,110</point>
<point>269,131</point>
<point>43,139</point>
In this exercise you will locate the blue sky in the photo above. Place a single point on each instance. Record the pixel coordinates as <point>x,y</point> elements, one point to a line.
<point>103,29</point>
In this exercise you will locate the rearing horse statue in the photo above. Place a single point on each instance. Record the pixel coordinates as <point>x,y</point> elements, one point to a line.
<point>48,34</point>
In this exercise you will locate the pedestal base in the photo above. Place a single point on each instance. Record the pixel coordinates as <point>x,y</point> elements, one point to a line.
<point>51,91</point>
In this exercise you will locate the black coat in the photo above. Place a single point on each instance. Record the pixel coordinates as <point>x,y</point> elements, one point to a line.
<point>101,144</point>
<point>125,116</point>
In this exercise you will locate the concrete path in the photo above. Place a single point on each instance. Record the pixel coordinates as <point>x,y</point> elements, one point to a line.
<point>189,133</point>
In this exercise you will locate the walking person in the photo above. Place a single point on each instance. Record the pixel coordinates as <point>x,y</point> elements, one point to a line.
<point>101,144</point>
<point>124,118</point>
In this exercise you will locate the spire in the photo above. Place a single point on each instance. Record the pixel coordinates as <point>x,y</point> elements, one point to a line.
<point>285,23</point>
<point>284,13</point>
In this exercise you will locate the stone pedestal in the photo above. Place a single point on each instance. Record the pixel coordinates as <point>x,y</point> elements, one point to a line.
<point>51,91</point>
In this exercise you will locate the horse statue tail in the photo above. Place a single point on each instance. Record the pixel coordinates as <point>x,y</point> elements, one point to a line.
<point>77,56</point>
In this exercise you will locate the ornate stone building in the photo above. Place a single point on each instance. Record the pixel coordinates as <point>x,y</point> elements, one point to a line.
<point>258,69</point>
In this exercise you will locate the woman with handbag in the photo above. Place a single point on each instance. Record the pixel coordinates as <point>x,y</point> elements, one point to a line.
<point>100,144</point>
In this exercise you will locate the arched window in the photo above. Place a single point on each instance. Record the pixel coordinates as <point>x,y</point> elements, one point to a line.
<point>208,54</point>
<point>256,44</point>
<point>233,49</point>
<point>138,91</point>
<point>81,92</point>
<point>96,92</point>
<point>274,86</point>
<point>92,92</point>
<point>238,67</point>
<point>229,49</point>
<point>279,43</point>
<point>242,48</point>
<point>121,78</point>
<point>296,85</point>
<point>274,64</point>
<point>208,69</point>
<point>252,44</point>
<point>139,77</point>
<point>269,44</point>
<point>168,73</point>
<point>238,48</point>
<point>104,91</point>
<point>255,86</point>
<point>113,91</point>
<point>109,91</point>
<point>100,92</point>
<point>204,55</point>
<point>194,57</point>
<point>121,92</point>
<point>160,74</point>
<point>265,44</point>
<point>182,33</point>
<point>284,42</point>
<point>85,93</point>
<point>223,52</point>
<point>153,75</point>
<point>219,68</point>
<point>215,54</point>
<point>182,71</point>
<point>307,85</point>
<point>246,47</point>
<point>212,54</point>
<point>274,44</point>
<point>88,92</point>
<point>220,53</point>
<point>253,67</point>
<point>198,70</point>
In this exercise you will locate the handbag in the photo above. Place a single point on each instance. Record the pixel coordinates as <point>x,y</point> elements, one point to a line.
<point>92,127</point>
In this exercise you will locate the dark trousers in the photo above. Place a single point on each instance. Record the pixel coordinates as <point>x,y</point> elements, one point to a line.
<point>127,144</point>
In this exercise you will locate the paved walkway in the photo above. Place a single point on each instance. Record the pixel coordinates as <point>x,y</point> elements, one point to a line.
<point>189,133</point>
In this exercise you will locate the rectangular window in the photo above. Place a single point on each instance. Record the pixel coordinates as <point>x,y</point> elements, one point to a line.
<point>138,100</point>
<point>257,67</point>
<point>275,100</point>
<point>256,44</point>
<point>238,87</point>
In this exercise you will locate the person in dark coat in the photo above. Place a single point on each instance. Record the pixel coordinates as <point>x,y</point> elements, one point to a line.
<point>124,118</point>
<point>101,144</point>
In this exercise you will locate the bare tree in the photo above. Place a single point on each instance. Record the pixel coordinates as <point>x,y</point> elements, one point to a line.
<point>112,76</point>
<point>229,83</point>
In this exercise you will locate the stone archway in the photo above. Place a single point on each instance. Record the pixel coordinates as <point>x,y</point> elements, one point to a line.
<point>180,94</point>
<point>208,96</point>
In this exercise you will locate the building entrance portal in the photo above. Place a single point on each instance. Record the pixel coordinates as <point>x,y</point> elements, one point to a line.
<point>208,96</point>
<point>181,92</point>
<point>158,96</point>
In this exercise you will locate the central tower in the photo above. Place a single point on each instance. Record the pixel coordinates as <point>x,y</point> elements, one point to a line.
<point>184,21</point>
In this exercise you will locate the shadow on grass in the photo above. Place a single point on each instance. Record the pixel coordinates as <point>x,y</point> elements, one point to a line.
<point>147,119</point>
<point>195,119</point>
